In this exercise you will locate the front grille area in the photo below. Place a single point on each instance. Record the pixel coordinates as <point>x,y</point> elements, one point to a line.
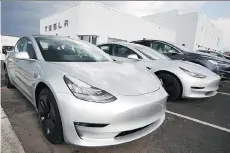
<point>197,87</point>
<point>124,133</point>
<point>209,93</point>
<point>93,125</point>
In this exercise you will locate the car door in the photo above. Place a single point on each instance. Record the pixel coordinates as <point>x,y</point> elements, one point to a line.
<point>11,60</point>
<point>121,53</point>
<point>25,69</point>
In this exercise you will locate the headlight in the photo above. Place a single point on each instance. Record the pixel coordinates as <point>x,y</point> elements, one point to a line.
<point>213,62</point>
<point>193,74</point>
<point>83,91</point>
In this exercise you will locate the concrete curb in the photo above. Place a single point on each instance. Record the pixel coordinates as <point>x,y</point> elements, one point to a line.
<point>9,140</point>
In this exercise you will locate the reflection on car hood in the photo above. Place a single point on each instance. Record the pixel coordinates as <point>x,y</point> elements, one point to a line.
<point>119,78</point>
<point>175,64</point>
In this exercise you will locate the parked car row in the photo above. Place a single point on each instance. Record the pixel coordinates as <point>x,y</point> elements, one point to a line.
<point>180,78</point>
<point>89,96</point>
<point>218,65</point>
<point>215,54</point>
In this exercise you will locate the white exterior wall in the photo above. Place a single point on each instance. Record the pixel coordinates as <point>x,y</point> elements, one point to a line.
<point>8,40</point>
<point>188,29</point>
<point>68,14</point>
<point>207,34</point>
<point>95,19</point>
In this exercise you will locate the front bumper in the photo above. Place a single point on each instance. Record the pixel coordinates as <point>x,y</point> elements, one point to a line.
<point>126,119</point>
<point>201,88</point>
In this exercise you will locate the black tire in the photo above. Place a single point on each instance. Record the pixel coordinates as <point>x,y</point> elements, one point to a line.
<point>49,116</point>
<point>8,83</point>
<point>171,85</point>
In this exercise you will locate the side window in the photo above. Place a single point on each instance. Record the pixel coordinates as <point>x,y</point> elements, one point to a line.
<point>144,43</point>
<point>170,49</point>
<point>154,45</point>
<point>163,48</point>
<point>122,51</point>
<point>19,45</point>
<point>106,48</point>
<point>28,47</point>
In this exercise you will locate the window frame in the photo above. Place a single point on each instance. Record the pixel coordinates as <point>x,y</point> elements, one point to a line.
<point>16,46</point>
<point>115,45</point>
<point>164,43</point>
<point>25,40</point>
<point>25,43</point>
<point>110,48</point>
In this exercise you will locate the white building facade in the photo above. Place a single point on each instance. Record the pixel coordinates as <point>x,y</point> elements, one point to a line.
<point>194,30</point>
<point>98,23</point>
<point>8,40</point>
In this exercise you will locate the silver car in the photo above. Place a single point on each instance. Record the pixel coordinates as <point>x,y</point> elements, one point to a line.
<point>180,78</point>
<point>82,96</point>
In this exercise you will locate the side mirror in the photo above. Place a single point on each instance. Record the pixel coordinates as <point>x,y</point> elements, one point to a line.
<point>22,55</point>
<point>133,56</point>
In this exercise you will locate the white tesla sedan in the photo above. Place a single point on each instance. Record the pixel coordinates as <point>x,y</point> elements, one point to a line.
<point>180,78</point>
<point>82,96</point>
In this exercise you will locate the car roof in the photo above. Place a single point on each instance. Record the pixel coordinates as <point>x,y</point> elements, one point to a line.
<point>117,43</point>
<point>149,40</point>
<point>35,36</point>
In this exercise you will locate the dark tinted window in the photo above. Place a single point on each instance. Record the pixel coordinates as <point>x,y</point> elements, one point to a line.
<point>143,42</point>
<point>163,48</point>
<point>59,49</point>
<point>106,48</point>
<point>20,44</point>
<point>28,47</point>
<point>150,53</point>
<point>122,51</point>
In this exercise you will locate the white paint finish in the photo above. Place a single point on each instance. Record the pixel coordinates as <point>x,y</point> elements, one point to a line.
<point>9,140</point>
<point>8,40</point>
<point>60,17</point>
<point>188,29</point>
<point>199,121</point>
<point>87,18</point>
<point>207,34</point>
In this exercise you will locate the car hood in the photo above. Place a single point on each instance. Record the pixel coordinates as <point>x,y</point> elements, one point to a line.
<point>212,57</point>
<point>114,77</point>
<point>172,65</point>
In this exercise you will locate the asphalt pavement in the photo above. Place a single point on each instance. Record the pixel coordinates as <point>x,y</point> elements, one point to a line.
<point>174,136</point>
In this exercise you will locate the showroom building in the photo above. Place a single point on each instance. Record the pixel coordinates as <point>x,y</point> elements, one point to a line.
<point>194,30</point>
<point>8,40</point>
<point>98,23</point>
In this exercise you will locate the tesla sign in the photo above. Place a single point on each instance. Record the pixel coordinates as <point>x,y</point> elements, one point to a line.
<point>56,26</point>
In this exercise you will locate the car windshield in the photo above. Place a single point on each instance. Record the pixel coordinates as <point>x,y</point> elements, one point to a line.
<point>58,49</point>
<point>150,53</point>
<point>181,47</point>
